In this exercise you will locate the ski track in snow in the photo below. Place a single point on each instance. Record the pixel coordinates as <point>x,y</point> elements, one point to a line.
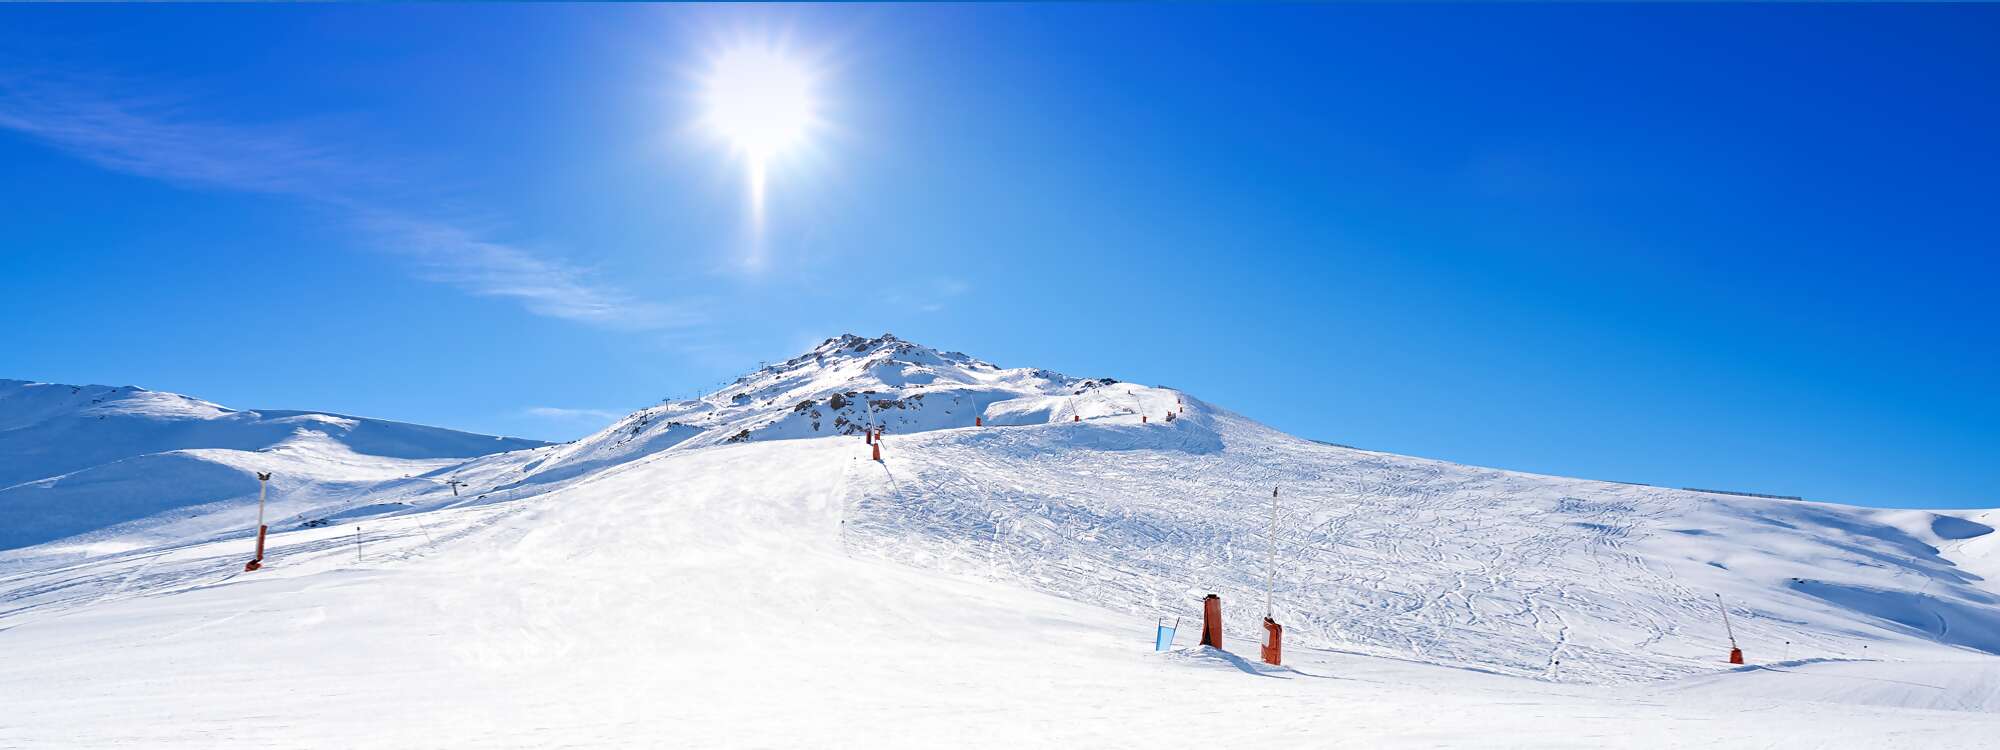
<point>1377,554</point>
<point>697,599</point>
<point>657,585</point>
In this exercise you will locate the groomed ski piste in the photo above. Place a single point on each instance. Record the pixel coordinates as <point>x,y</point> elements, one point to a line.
<point>721,572</point>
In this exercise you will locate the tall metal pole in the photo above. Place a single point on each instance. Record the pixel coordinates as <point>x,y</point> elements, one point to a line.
<point>1725,621</point>
<point>1271,581</point>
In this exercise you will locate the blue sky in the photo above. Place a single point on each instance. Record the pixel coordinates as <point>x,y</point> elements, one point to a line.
<point>1745,247</point>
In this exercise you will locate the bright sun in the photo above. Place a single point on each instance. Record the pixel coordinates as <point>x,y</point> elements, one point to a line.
<point>761,102</point>
<point>758,100</point>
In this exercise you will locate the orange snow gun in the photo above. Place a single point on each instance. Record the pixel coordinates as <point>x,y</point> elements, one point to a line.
<point>1211,622</point>
<point>263,480</point>
<point>1735,653</point>
<point>258,561</point>
<point>1274,637</point>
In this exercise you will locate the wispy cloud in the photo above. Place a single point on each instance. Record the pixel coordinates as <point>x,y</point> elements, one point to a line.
<point>449,254</point>
<point>154,136</point>
<point>160,138</point>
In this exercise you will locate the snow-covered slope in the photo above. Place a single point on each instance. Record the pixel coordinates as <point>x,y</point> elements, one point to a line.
<point>844,386</point>
<point>703,599</point>
<point>81,459</point>
<point>668,583</point>
<point>1524,574</point>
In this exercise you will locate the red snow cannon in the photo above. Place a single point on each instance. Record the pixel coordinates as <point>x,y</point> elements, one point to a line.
<point>1274,637</point>
<point>1736,656</point>
<point>1211,621</point>
<point>258,561</point>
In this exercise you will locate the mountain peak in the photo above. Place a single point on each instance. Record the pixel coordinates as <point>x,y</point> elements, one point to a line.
<point>850,345</point>
<point>849,384</point>
<point>838,356</point>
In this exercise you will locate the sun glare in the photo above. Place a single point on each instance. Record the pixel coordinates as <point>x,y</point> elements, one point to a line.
<point>758,100</point>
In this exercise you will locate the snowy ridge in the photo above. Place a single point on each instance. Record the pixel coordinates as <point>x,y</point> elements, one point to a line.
<point>153,466</point>
<point>849,383</point>
<point>844,386</point>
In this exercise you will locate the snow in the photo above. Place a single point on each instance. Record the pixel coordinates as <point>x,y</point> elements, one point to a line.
<point>83,467</point>
<point>1407,558</point>
<point>1965,686</point>
<point>998,586</point>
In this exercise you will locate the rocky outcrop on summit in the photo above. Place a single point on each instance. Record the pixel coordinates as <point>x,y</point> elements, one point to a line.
<point>845,386</point>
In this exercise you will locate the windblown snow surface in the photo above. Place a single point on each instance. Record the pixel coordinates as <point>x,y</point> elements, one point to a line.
<point>735,572</point>
<point>109,468</point>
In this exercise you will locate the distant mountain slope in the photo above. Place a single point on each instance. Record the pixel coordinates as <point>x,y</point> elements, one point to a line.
<point>842,387</point>
<point>78,458</point>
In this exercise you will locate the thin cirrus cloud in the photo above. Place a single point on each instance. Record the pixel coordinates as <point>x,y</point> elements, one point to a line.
<point>159,138</point>
<point>450,254</point>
